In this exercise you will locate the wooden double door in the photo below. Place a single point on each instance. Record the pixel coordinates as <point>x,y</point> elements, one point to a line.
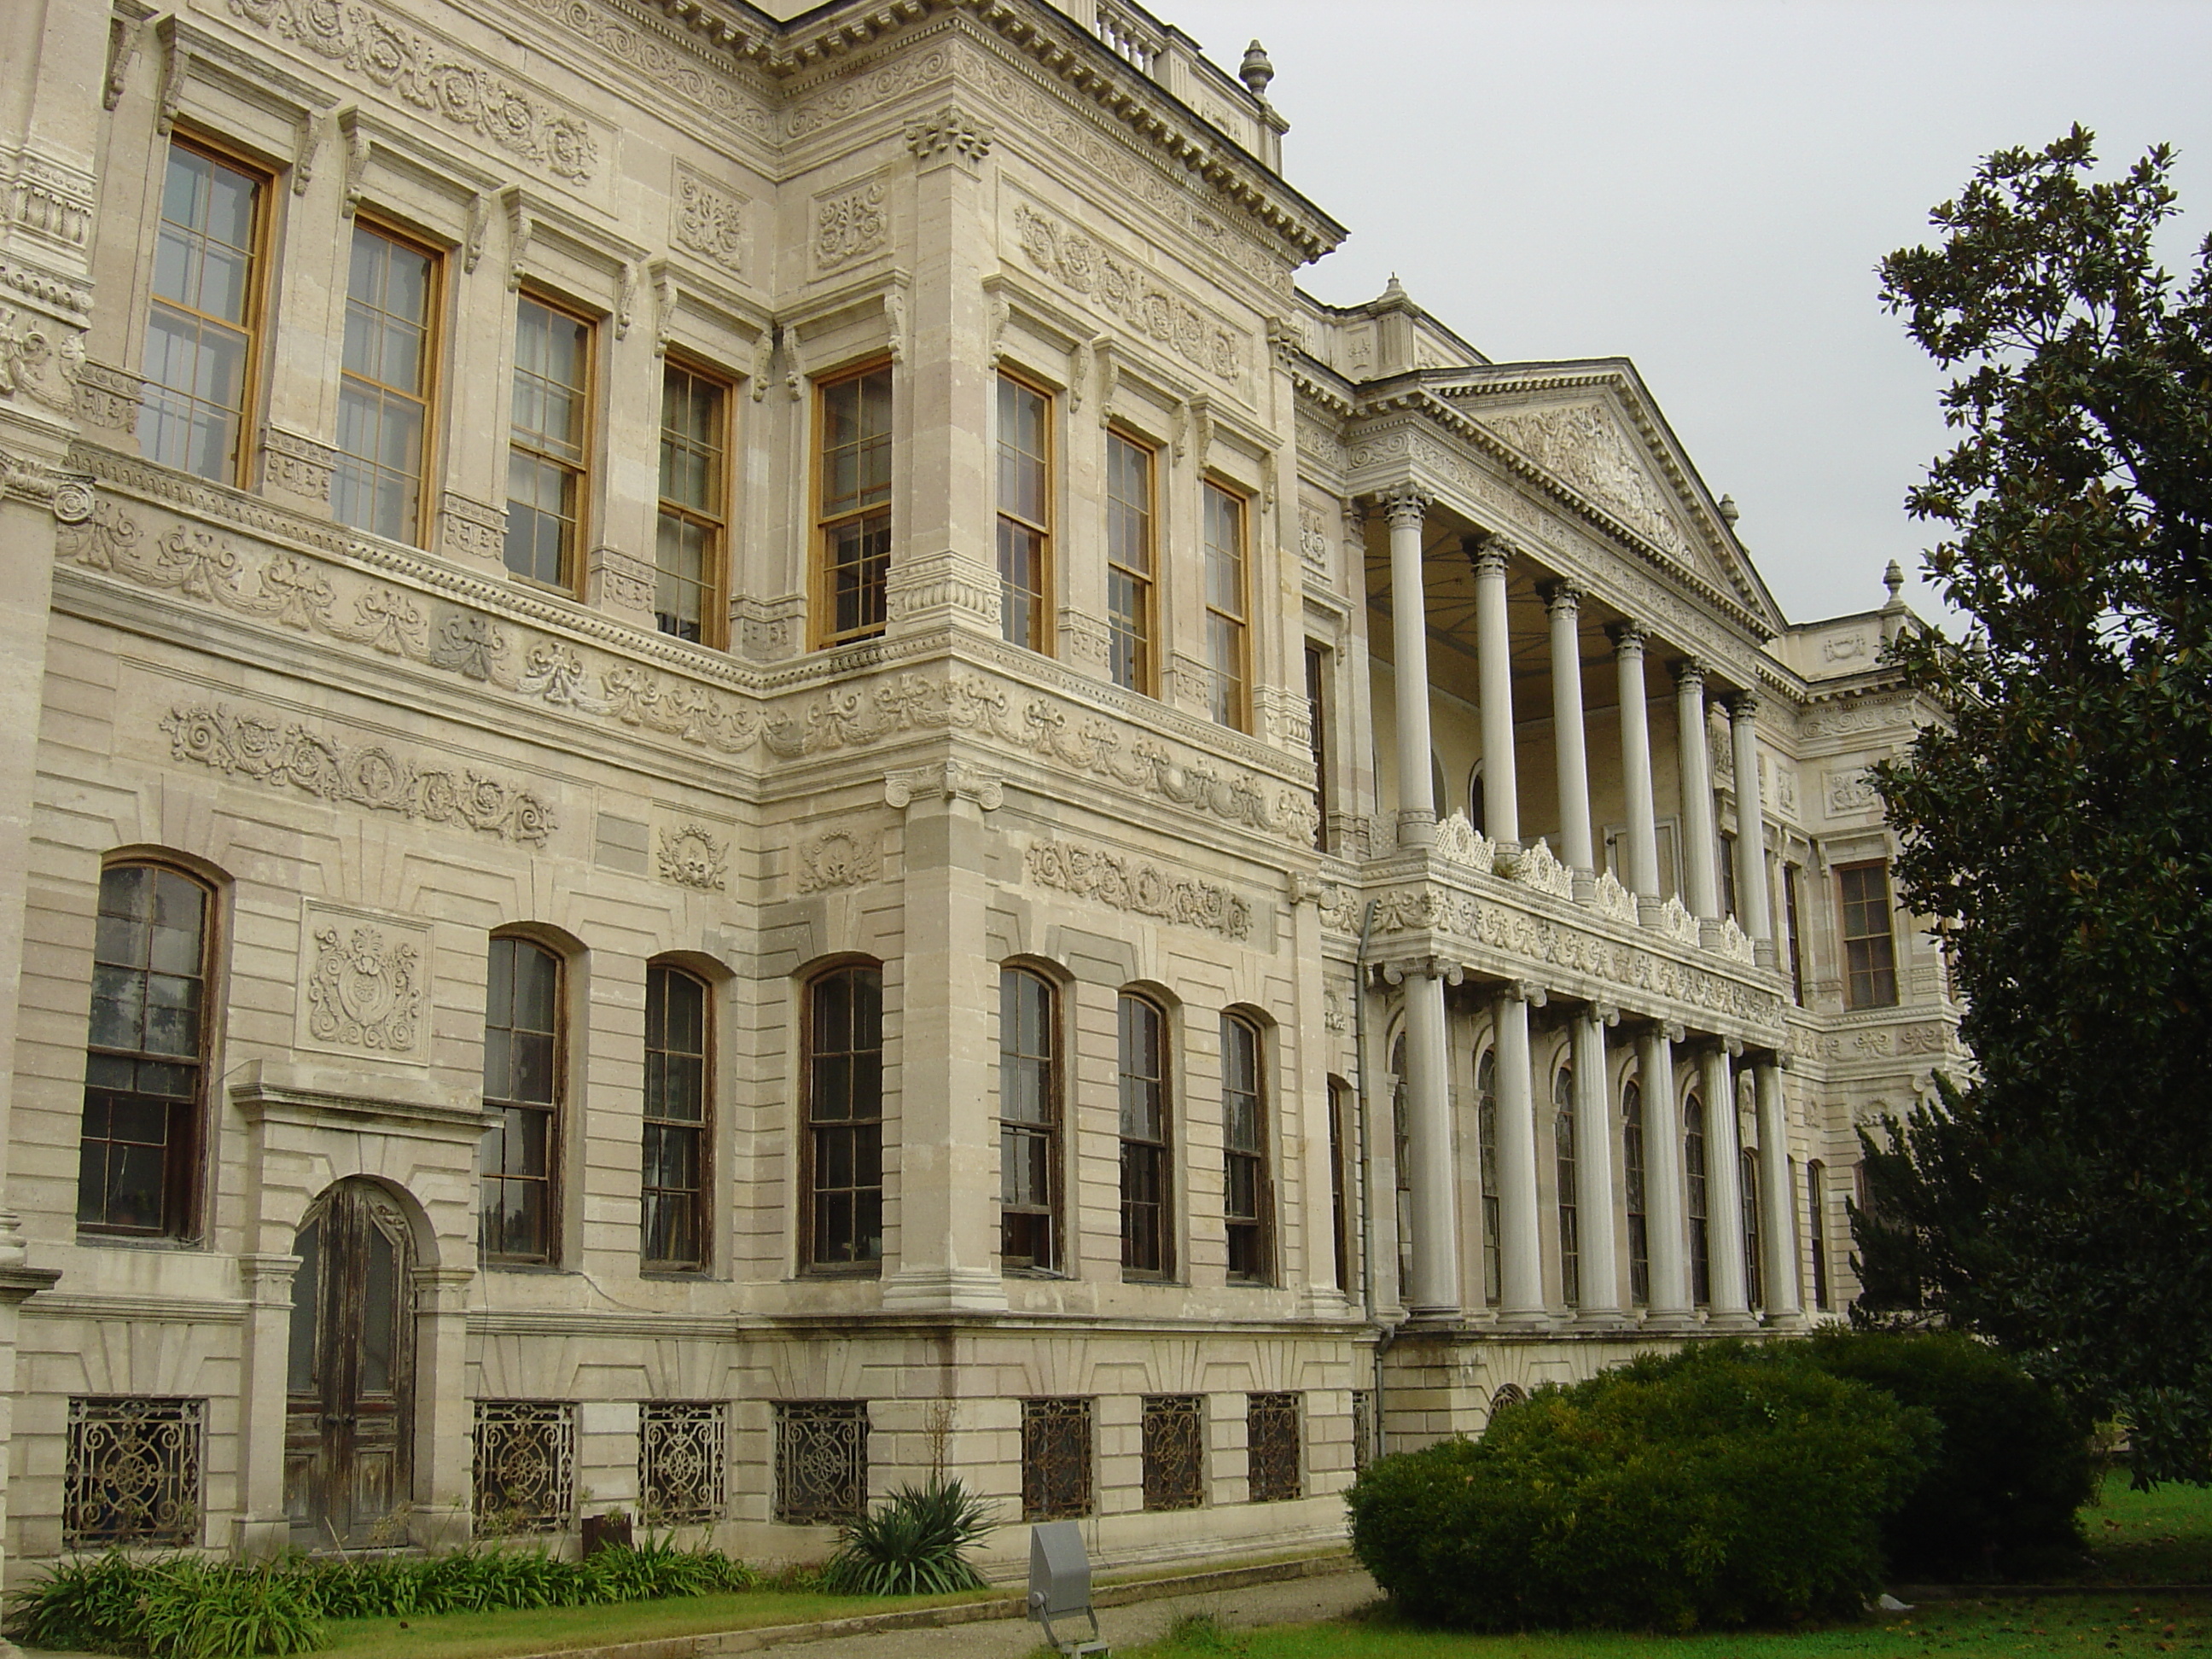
<point>348,1427</point>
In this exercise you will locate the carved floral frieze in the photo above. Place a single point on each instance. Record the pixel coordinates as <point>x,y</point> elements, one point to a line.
<point>1127,884</point>
<point>434,76</point>
<point>372,775</point>
<point>365,991</point>
<point>1122,287</point>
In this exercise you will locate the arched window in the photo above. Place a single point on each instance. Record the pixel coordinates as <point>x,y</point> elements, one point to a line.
<point>1816,1195</point>
<point>1475,812</point>
<point>1563,1137</point>
<point>678,1096</point>
<point>1640,1218</point>
<point>1485,1136</point>
<point>1755,1282</point>
<point>844,1146</point>
<point>523,1078</point>
<point>1694,1171</point>
<point>1147,1110</point>
<point>1339,1205</point>
<point>1029,1121</point>
<point>145,1066</point>
<point>1247,1191</point>
<point>1401,1148</point>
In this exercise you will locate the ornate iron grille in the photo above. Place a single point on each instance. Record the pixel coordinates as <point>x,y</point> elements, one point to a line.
<point>1271,1440</point>
<point>1363,1428</point>
<point>134,1472</point>
<point>1175,1451</point>
<point>680,1462</point>
<point>1055,1459</point>
<point>821,1461</point>
<point>526,1464</point>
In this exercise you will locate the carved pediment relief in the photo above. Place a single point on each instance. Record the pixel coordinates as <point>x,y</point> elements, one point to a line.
<point>1582,445</point>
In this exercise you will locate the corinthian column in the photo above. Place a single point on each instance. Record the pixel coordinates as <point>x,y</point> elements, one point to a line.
<point>1757,919</point>
<point>1701,864</point>
<point>1636,763</point>
<point>1407,507</point>
<point>1501,793</point>
<point>1564,605</point>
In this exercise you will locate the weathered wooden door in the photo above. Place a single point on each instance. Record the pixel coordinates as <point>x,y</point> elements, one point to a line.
<point>349,1429</point>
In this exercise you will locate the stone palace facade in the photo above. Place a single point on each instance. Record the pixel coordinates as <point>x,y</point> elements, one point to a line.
<point>736,760</point>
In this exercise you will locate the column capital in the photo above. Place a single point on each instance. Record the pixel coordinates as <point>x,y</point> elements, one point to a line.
<point>1743,705</point>
<point>1688,671</point>
<point>1404,504</point>
<point>1628,638</point>
<point>1561,596</point>
<point>1673,1030</point>
<point>1490,558</point>
<point>1399,971</point>
<point>1529,991</point>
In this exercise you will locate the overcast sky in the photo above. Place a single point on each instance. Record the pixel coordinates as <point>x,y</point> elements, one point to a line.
<point>1705,186</point>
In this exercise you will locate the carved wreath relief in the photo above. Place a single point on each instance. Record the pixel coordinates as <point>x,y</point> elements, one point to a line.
<point>690,857</point>
<point>364,993</point>
<point>838,858</point>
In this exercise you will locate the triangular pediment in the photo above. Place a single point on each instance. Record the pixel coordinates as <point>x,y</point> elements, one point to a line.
<point>1603,440</point>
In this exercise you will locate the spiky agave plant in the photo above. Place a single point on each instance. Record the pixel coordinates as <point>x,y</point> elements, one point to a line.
<point>912,1544</point>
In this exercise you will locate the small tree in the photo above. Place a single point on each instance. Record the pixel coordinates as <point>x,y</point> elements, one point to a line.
<point>2060,826</point>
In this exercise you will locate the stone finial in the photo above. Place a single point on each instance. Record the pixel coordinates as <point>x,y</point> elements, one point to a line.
<point>1727,510</point>
<point>1893,579</point>
<point>1256,71</point>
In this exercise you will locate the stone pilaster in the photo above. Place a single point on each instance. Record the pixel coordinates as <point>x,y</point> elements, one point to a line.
<point>1409,633</point>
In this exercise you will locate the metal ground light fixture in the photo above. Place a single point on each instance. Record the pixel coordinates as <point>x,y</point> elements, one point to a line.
<point>1059,1587</point>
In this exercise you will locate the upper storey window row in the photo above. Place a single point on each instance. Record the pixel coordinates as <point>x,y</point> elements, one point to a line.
<point>203,329</point>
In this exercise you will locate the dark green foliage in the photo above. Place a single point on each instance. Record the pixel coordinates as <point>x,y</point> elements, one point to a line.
<point>911,1544</point>
<point>2011,1468</point>
<point>2060,828</point>
<point>1722,1487</point>
<point>184,1608</point>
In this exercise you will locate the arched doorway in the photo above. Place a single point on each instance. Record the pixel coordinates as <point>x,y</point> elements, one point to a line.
<point>348,1422</point>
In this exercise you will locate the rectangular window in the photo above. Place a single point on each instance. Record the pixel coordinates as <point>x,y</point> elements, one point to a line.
<point>146,1057</point>
<point>677,1086</point>
<point>1317,739</point>
<point>547,480</point>
<point>852,524</point>
<point>1816,1199</point>
<point>1130,564</point>
<point>1486,1135</point>
<point>1339,1208</point>
<point>844,1074</point>
<point>1363,1428</point>
<point>821,1462</point>
<point>1024,515</point>
<point>689,549</point>
<point>1870,941</point>
<point>1640,1219</point>
<point>133,1473</point>
<point>1056,1459</point>
<point>203,330</point>
<point>1174,1432</point>
<point>1271,1445</point>
<point>681,1462</point>
<point>1225,605</point>
<point>1728,905</point>
<point>384,387</point>
<point>525,1465</point>
<point>523,1079</point>
<point>1754,1277</point>
<point>1791,933</point>
<point>1029,1121</point>
<point>1144,1108</point>
<point>1562,1170</point>
<point>1244,1151</point>
<point>1696,1190</point>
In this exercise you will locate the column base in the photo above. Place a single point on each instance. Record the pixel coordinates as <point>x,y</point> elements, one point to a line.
<point>944,1289</point>
<point>1585,885</point>
<point>1734,1321</point>
<point>1670,1321</point>
<point>260,1538</point>
<point>440,1525</point>
<point>1709,932</point>
<point>1763,953</point>
<point>1527,1319</point>
<point>1602,1320</point>
<point>1430,1318</point>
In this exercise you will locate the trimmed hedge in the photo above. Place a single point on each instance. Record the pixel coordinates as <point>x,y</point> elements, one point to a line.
<point>1720,1487</point>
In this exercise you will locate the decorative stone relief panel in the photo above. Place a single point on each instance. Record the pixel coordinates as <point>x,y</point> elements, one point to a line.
<point>107,397</point>
<point>364,983</point>
<point>39,359</point>
<point>1313,540</point>
<point>1844,648</point>
<point>1126,884</point>
<point>864,90</point>
<point>698,79</point>
<point>1125,289</point>
<point>371,775</point>
<point>709,219</point>
<point>1582,445</point>
<point>851,223</point>
<point>1851,792</point>
<point>838,858</point>
<point>689,856</point>
<point>298,466</point>
<point>434,76</point>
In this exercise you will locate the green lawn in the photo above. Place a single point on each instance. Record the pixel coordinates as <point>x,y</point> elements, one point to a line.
<point>2161,1537</point>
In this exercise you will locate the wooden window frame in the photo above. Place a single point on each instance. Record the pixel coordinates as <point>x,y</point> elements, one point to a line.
<point>1234,712</point>
<point>1043,528</point>
<point>1158,1153</point>
<point>254,324</point>
<point>186,1128</point>
<point>813,1260</point>
<point>702,1205</point>
<point>432,397</point>
<point>825,525</point>
<point>1143,676</point>
<point>1251,1237</point>
<point>587,396</point>
<point>1013,1131</point>
<point>1880,961</point>
<point>555,1113</point>
<point>715,605</point>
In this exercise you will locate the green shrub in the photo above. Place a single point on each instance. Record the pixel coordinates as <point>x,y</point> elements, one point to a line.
<point>2000,1497</point>
<point>90,1604</point>
<point>912,1544</point>
<point>1718,1488</point>
<point>190,1609</point>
